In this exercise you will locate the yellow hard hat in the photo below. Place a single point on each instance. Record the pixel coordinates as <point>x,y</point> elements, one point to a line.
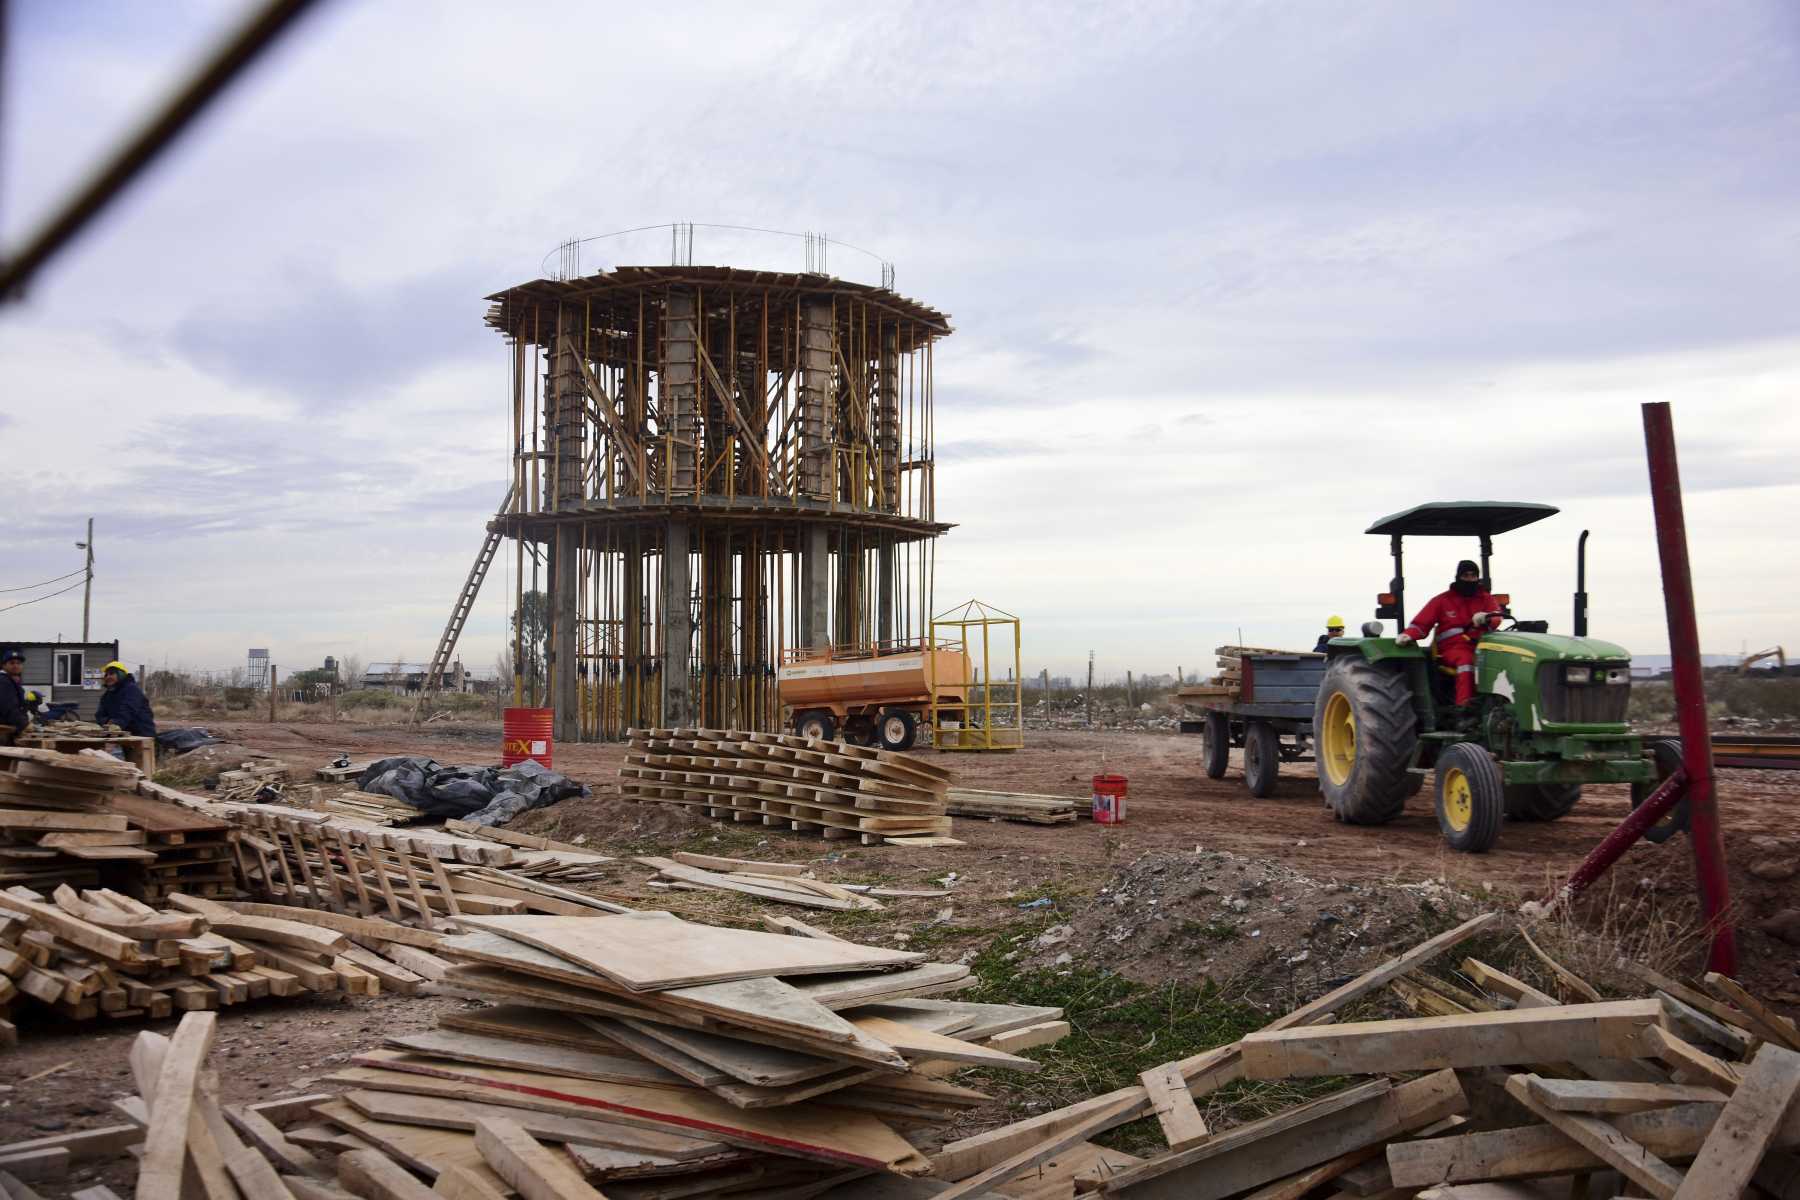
<point>1334,622</point>
<point>116,665</point>
<point>31,696</point>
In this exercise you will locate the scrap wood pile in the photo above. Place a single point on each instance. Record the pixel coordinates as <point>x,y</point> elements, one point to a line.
<point>421,876</point>
<point>832,788</point>
<point>97,953</point>
<point>787,883</point>
<point>78,820</point>
<point>634,1056</point>
<point>1570,1093</point>
<point>1032,807</point>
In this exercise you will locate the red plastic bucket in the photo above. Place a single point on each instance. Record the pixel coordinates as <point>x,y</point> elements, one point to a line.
<point>525,733</point>
<point>1109,799</point>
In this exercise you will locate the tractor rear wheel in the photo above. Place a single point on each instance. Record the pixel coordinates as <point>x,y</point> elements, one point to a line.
<point>1471,797</point>
<point>1262,757</point>
<point>1667,753</point>
<point>1216,745</point>
<point>816,723</point>
<point>1364,734</point>
<point>1541,801</point>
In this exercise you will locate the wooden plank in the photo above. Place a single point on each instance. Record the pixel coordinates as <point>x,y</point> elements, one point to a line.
<point>1612,1029</point>
<point>1011,1168</point>
<point>436,1112</point>
<point>1572,981</point>
<point>1696,1062</point>
<point>1606,1142</point>
<point>659,954</point>
<point>1749,1123</point>
<point>247,1168</point>
<point>1277,1146</point>
<point>526,1056</point>
<point>1601,1096</point>
<point>374,1176</point>
<point>322,944</point>
<point>1770,1025</point>
<point>356,927</point>
<point>460,1183</point>
<point>1182,1125</point>
<point>172,1108</point>
<point>709,862</point>
<point>75,931</point>
<point>33,1165</point>
<point>82,1144</point>
<point>21,818</point>
<point>1042,1034</point>
<point>524,1163</point>
<point>923,1044</point>
<point>263,1134</point>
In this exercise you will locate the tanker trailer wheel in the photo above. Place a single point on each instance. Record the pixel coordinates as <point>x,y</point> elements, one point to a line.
<point>1667,753</point>
<point>1215,752</point>
<point>1540,801</point>
<point>1364,734</point>
<point>896,729</point>
<point>816,723</point>
<point>1262,757</point>
<point>1471,797</point>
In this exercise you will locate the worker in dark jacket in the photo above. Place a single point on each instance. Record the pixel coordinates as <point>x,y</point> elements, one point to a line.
<point>13,712</point>
<point>124,704</point>
<point>1334,628</point>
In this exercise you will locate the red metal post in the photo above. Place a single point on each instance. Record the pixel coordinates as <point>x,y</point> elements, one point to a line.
<point>1655,806</point>
<point>1690,690</point>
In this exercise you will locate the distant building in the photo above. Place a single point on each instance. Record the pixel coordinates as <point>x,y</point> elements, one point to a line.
<point>67,672</point>
<point>403,677</point>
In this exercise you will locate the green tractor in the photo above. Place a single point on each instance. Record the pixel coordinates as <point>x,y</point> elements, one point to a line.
<point>1548,715</point>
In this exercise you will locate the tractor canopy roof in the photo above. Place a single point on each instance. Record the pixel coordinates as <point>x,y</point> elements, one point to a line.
<point>1463,518</point>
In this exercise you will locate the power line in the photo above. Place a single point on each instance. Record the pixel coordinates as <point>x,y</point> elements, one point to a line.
<point>35,599</point>
<point>26,587</point>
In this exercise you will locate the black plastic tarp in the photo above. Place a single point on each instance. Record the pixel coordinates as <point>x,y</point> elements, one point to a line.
<point>482,795</point>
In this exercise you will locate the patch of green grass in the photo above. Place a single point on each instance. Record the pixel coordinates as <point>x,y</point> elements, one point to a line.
<point>1209,931</point>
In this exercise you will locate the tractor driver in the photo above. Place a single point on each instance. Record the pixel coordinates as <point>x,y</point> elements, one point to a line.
<point>1460,615</point>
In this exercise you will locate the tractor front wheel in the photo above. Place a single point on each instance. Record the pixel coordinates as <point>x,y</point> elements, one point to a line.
<point>1471,797</point>
<point>1216,745</point>
<point>1667,753</point>
<point>1541,801</point>
<point>1364,734</point>
<point>1262,757</point>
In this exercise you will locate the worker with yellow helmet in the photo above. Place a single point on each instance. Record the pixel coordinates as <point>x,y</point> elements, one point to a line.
<point>1334,628</point>
<point>124,703</point>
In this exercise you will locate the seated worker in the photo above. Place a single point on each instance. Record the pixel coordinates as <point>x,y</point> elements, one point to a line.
<point>1460,615</point>
<point>13,711</point>
<point>1334,628</point>
<point>124,703</point>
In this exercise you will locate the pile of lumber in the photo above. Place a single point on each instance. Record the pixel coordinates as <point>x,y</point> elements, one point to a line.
<point>563,862</point>
<point>78,820</point>
<point>832,788</point>
<point>1578,1098</point>
<point>642,1055</point>
<point>416,876</point>
<point>786,883</point>
<point>97,953</point>
<point>246,780</point>
<point>1228,681</point>
<point>366,806</point>
<point>1033,807</point>
<point>344,774</point>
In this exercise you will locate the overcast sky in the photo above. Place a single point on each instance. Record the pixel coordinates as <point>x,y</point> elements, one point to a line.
<point>1229,282</point>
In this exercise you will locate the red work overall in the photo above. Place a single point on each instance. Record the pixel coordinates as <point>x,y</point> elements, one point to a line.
<point>1454,618</point>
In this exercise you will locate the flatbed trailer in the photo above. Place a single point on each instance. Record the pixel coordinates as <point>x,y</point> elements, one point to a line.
<point>1267,710</point>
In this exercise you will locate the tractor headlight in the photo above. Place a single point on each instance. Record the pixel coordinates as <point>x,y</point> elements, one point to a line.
<point>1577,674</point>
<point>1620,675</point>
<point>1372,629</point>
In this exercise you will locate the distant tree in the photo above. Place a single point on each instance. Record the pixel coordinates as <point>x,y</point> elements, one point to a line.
<point>531,631</point>
<point>350,668</point>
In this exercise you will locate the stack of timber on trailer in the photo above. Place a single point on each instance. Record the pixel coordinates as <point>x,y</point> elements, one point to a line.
<point>832,788</point>
<point>646,1055</point>
<point>1261,700</point>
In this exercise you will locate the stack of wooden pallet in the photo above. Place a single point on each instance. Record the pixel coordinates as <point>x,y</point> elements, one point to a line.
<point>1032,807</point>
<point>290,856</point>
<point>98,953</point>
<point>833,788</point>
<point>1573,1092</point>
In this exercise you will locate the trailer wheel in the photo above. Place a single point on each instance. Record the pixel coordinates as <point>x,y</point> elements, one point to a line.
<point>896,728</point>
<point>1215,752</point>
<point>1667,753</point>
<point>1471,797</point>
<point>1364,735</point>
<point>1541,801</point>
<point>1262,757</point>
<point>816,723</point>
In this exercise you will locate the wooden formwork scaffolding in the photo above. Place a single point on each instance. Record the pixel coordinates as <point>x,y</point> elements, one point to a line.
<point>710,466</point>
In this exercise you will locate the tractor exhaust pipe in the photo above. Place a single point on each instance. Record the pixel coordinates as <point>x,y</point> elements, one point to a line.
<point>1581,585</point>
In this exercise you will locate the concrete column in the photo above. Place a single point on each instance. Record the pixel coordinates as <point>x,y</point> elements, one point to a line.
<point>565,422</point>
<point>848,630</point>
<point>681,388</point>
<point>815,586</point>
<point>677,689</point>
<point>887,419</point>
<point>816,388</point>
<point>565,690</point>
<point>887,570</point>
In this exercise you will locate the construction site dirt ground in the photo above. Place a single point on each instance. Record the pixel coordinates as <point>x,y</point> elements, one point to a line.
<point>1244,885</point>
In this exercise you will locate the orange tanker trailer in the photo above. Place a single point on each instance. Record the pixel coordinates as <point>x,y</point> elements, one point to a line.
<point>873,696</point>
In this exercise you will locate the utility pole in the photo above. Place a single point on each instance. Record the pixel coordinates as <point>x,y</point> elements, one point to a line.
<point>87,590</point>
<point>1090,690</point>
